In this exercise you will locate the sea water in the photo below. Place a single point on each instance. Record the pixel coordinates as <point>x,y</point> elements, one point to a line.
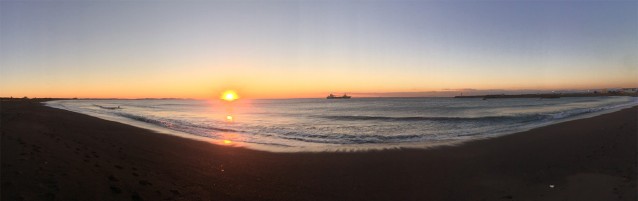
<point>343,124</point>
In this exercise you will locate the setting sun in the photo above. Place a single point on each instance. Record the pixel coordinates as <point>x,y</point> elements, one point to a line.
<point>230,95</point>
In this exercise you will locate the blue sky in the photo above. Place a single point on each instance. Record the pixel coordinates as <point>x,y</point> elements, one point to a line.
<point>290,48</point>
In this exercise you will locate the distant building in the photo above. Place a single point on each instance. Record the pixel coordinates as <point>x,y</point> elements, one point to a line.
<point>629,90</point>
<point>600,91</point>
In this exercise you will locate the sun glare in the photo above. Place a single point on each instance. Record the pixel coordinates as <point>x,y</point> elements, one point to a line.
<point>229,95</point>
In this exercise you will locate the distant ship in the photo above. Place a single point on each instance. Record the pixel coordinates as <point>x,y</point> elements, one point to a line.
<point>332,96</point>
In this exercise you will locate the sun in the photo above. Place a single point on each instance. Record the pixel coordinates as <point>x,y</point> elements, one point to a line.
<point>229,95</point>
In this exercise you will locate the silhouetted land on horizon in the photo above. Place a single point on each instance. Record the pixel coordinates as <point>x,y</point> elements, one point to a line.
<point>552,95</point>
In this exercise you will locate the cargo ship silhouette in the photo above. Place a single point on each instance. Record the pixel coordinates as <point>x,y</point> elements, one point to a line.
<point>332,96</point>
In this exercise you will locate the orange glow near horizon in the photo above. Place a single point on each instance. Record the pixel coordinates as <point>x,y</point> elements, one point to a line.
<point>296,86</point>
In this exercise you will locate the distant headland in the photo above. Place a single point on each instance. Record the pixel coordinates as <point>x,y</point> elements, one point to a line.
<point>603,92</point>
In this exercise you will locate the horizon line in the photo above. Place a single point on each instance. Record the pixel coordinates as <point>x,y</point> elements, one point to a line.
<point>443,93</point>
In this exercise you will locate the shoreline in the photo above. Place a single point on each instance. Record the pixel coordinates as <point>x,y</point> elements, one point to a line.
<point>345,147</point>
<point>53,154</point>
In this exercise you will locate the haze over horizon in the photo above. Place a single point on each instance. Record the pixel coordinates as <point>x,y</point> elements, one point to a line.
<point>394,94</point>
<point>298,49</point>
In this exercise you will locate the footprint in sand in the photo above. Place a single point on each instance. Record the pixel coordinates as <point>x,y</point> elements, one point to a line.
<point>7,184</point>
<point>49,196</point>
<point>112,178</point>
<point>145,183</point>
<point>175,192</point>
<point>115,190</point>
<point>136,197</point>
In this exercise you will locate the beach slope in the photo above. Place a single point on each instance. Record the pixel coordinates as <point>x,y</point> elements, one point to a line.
<point>52,154</point>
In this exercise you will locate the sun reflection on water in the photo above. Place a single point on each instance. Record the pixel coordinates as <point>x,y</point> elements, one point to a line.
<point>225,108</point>
<point>230,139</point>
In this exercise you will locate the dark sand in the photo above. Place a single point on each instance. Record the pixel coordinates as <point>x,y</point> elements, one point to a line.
<point>51,154</point>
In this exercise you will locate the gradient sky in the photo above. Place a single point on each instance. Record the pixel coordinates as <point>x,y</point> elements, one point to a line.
<point>283,49</point>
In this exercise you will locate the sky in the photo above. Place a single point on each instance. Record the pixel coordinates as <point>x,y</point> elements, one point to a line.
<point>297,49</point>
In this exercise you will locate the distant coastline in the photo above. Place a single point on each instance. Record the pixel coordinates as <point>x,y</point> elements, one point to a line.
<point>552,95</point>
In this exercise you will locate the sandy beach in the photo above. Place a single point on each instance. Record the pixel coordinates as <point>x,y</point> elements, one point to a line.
<point>52,154</point>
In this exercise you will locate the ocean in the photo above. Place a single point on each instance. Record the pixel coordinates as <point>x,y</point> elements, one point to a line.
<point>288,125</point>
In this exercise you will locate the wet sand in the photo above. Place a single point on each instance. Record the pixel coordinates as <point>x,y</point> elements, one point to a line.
<point>52,154</point>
